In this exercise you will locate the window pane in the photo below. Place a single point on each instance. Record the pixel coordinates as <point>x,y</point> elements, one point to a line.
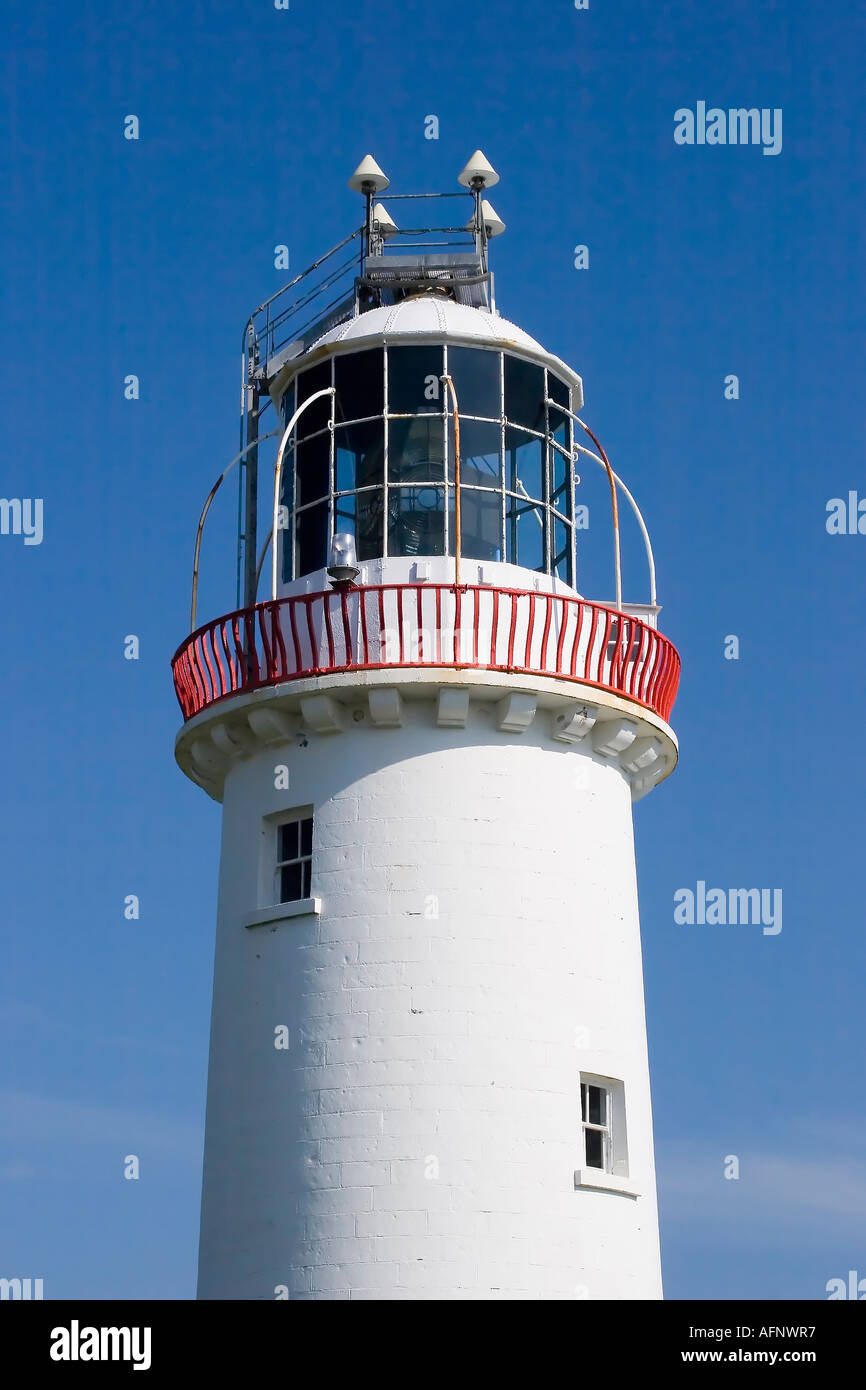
<point>594,1148</point>
<point>523,464</point>
<point>524,534</point>
<point>359,451</point>
<point>524,393</point>
<point>557,391</point>
<point>287,405</point>
<point>583,1100</point>
<point>287,495</point>
<point>561,547</point>
<point>307,835</point>
<point>560,434</point>
<point>559,489</point>
<point>416,521</point>
<point>312,538</point>
<point>315,417</point>
<point>306,871</point>
<point>480,446</point>
<point>313,460</point>
<point>288,844</point>
<point>414,380</point>
<point>596,1106</point>
<point>416,450</point>
<point>360,381</point>
<point>476,380</point>
<point>361,515</point>
<point>480,524</point>
<point>291,883</point>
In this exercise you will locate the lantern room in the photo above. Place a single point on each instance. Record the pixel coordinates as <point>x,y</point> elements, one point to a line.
<point>377,456</point>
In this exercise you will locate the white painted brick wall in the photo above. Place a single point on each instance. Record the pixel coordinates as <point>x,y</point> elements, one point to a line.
<point>451,1038</point>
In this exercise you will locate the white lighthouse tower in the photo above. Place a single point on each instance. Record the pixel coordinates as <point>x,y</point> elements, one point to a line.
<point>428,1066</point>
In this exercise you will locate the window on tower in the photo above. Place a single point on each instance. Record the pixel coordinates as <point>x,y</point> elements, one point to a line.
<point>602,1114</point>
<point>294,859</point>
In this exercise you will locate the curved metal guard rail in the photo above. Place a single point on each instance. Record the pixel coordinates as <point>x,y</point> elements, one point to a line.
<point>375,627</point>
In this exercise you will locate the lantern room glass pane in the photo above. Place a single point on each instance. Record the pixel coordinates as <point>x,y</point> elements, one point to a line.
<point>524,394</point>
<point>311,533</point>
<point>480,449</point>
<point>558,391</point>
<point>480,524</point>
<point>359,452</point>
<point>316,416</point>
<point>476,377</point>
<point>414,385</point>
<point>285,531</point>
<point>524,534</point>
<point>360,381</point>
<point>287,404</point>
<point>560,492</point>
<point>362,515</point>
<point>416,521</point>
<point>313,460</point>
<point>560,560</point>
<point>524,464</point>
<point>416,450</point>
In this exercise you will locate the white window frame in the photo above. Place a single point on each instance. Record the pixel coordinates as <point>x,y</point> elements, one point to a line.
<point>615,1175</point>
<point>270,909</point>
<point>292,818</point>
<point>604,1129</point>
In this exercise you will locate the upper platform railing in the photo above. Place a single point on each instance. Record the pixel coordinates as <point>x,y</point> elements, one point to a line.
<point>362,271</point>
<point>426,626</point>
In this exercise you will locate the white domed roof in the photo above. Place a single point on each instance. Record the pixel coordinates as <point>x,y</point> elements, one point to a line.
<point>433,317</point>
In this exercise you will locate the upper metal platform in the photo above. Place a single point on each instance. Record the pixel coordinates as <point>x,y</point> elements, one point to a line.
<point>376,266</point>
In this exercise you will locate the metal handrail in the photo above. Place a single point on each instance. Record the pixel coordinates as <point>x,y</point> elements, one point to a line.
<point>278,470</point>
<point>387,626</point>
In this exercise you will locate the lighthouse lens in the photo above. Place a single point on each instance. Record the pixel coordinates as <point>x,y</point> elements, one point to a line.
<point>415,521</point>
<point>416,450</point>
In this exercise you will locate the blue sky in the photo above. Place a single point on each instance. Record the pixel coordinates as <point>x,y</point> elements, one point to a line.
<point>146,257</point>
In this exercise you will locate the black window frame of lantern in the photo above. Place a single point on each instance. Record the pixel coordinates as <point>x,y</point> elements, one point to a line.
<point>555,507</point>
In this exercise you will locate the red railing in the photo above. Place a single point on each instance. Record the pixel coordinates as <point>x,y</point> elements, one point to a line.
<point>426,625</point>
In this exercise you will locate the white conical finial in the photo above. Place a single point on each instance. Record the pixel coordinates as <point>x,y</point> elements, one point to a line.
<point>478,173</point>
<point>368,177</point>
<point>383,222</point>
<point>493,224</point>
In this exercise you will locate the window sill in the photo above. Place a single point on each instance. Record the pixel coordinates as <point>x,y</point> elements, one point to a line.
<point>605,1182</point>
<point>281,912</point>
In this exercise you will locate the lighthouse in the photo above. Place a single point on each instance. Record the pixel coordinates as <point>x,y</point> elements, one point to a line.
<point>428,1073</point>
